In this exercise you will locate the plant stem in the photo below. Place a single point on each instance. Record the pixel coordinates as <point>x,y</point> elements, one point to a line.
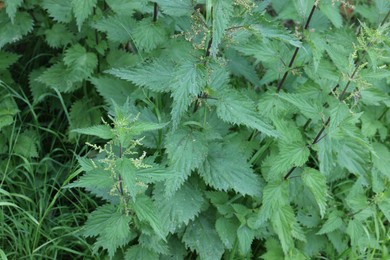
<point>280,84</point>
<point>155,12</point>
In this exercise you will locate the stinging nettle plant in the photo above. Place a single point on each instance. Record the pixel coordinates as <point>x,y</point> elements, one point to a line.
<point>235,128</point>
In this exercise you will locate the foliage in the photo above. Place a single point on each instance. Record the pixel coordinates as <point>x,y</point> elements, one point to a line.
<point>213,129</point>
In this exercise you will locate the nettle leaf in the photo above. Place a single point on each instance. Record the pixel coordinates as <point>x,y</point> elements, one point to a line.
<point>60,11</point>
<point>12,32</point>
<point>11,6</point>
<point>225,169</point>
<point>80,62</point>
<point>222,11</point>
<point>117,27</point>
<point>125,7</point>
<point>146,211</point>
<point>140,252</point>
<point>101,131</point>
<point>176,7</point>
<point>332,12</point>
<point>155,76</point>
<point>110,226</point>
<point>274,250</point>
<point>97,181</point>
<point>316,182</point>
<point>58,35</point>
<point>200,236</point>
<point>58,77</point>
<point>82,9</point>
<point>245,237</point>
<point>268,31</point>
<point>286,227</point>
<point>275,196</point>
<point>309,107</point>
<point>227,230</point>
<point>26,144</point>
<point>184,205</point>
<point>381,158</point>
<point>234,107</point>
<point>113,89</point>
<point>148,34</point>
<point>333,222</point>
<point>83,114</point>
<point>126,169</point>
<point>7,59</point>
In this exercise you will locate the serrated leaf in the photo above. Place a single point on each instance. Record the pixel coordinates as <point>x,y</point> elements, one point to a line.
<point>285,225</point>
<point>148,35</point>
<point>111,227</point>
<point>97,181</point>
<point>307,106</point>
<point>224,169</point>
<point>184,205</point>
<point>83,114</point>
<point>274,250</point>
<point>227,230</point>
<point>146,211</point>
<point>154,243</point>
<point>268,31</point>
<point>124,7</point>
<point>155,76</point>
<point>201,237</point>
<point>80,62</point>
<point>234,107</point>
<point>381,158</point>
<point>384,205</point>
<point>140,252</point>
<point>245,237</point>
<point>333,14</point>
<point>333,222</point>
<point>12,32</point>
<point>222,11</point>
<point>126,169</point>
<point>316,182</point>
<point>60,11</point>
<point>275,196</point>
<point>7,59</point>
<point>58,35</point>
<point>356,232</point>
<point>101,131</point>
<point>58,77</point>
<point>11,6</point>
<point>176,7</point>
<point>82,9</point>
<point>117,27</point>
<point>113,89</point>
<point>187,149</point>
<point>26,144</point>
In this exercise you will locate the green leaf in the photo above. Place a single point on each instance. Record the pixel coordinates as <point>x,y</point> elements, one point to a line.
<point>333,222</point>
<point>101,131</point>
<point>309,107</point>
<point>332,12</point>
<point>201,237</point>
<point>82,115</point>
<point>128,172</point>
<point>234,107</point>
<point>274,250</point>
<point>384,204</point>
<point>11,6</point>
<point>155,76</point>
<point>148,35</point>
<point>124,7</point>
<point>184,205</point>
<point>316,182</point>
<point>269,31</point>
<point>12,32</point>
<point>111,227</point>
<point>58,77</point>
<point>225,169</point>
<point>82,9</point>
<point>97,181</point>
<point>245,237</point>
<point>381,158</point>
<point>176,7</point>
<point>58,35</point>
<point>285,225</point>
<point>140,252</point>
<point>146,211</point>
<point>227,230</point>
<point>112,89</point>
<point>60,11</point>
<point>26,144</point>
<point>80,62</point>
<point>275,196</point>
<point>356,232</point>
<point>187,149</point>
<point>117,27</point>
<point>7,59</point>
<point>222,12</point>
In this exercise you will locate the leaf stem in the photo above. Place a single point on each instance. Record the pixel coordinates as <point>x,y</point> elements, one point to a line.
<point>155,12</point>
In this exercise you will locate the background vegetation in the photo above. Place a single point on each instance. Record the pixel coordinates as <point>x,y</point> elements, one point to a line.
<point>182,129</point>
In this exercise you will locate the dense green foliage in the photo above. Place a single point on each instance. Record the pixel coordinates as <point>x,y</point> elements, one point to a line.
<point>172,129</point>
